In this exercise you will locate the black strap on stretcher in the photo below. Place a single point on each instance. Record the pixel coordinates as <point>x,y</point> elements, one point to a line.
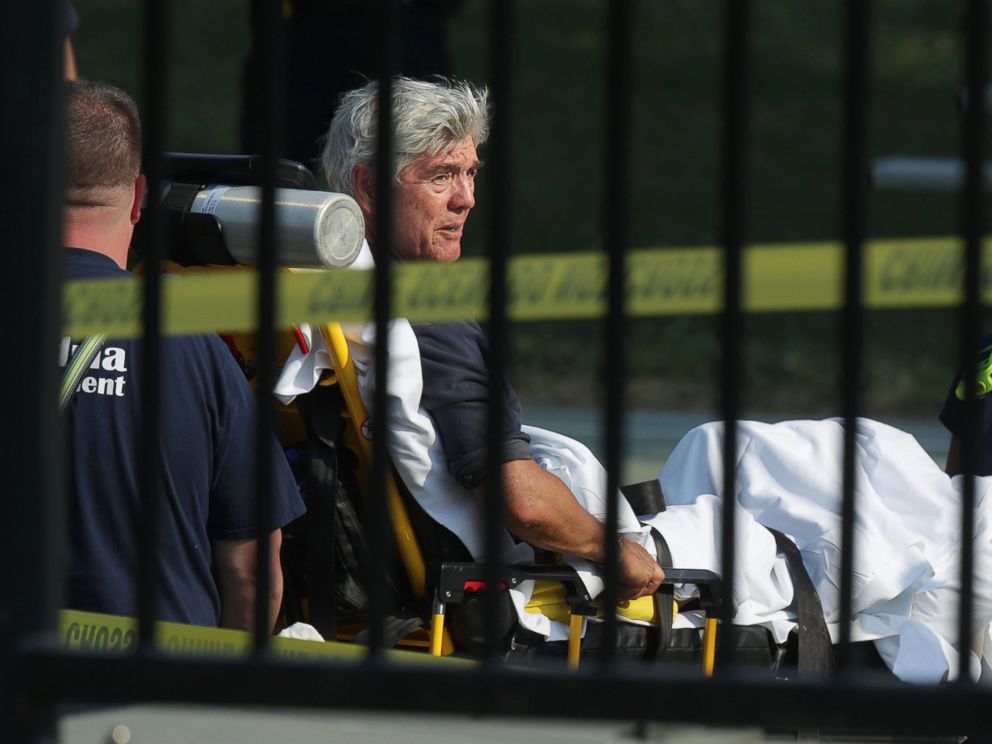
<point>645,497</point>
<point>664,600</point>
<point>815,651</point>
<point>814,656</point>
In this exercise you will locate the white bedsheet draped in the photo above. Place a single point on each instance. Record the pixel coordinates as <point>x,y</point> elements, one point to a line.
<point>788,477</point>
<point>907,534</point>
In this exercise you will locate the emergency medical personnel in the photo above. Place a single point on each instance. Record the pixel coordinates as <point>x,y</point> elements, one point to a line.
<point>439,125</point>
<point>952,414</point>
<point>206,541</point>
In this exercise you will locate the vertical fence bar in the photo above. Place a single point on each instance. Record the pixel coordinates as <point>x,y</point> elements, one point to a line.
<point>150,478</point>
<point>735,99</point>
<point>973,218</point>
<point>381,541</point>
<point>617,167</point>
<point>31,506</point>
<point>854,198</point>
<point>267,29</point>
<point>500,229</point>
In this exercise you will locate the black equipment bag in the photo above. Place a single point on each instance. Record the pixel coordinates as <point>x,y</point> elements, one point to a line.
<point>325,553</point>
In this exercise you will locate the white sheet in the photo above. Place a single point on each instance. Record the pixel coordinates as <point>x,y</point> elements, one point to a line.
<point>906,532</point>
<point>788,477</point>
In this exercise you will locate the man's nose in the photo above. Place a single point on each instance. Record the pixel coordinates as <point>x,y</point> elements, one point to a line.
<point>463,194</point>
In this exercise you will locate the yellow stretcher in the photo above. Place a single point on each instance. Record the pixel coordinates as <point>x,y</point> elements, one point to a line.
<point>448,581</point>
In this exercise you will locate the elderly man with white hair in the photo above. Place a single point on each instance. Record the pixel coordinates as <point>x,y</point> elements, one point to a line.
<point>438,127</point>
<point>905,585</point>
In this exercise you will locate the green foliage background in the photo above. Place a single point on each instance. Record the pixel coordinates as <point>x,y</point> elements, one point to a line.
<point>794,164</point>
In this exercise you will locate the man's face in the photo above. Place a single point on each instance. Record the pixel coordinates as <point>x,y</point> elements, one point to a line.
<point>434,195</point>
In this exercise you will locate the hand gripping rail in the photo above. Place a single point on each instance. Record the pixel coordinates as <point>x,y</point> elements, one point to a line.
<point>451,580</point>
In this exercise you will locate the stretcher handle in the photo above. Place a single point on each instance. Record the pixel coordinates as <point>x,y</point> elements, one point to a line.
<point>450,578</point>
<point>708,583</point>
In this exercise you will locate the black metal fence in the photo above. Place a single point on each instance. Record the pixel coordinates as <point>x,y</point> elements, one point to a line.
<point>36,675</point>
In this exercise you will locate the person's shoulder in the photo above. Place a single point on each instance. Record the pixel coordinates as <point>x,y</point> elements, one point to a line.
<point>211,345</point>
<point>467,329</point>
<point>206,352</point>
<point>202,371</point>
<point>83,263</point>
<point>463,339</point>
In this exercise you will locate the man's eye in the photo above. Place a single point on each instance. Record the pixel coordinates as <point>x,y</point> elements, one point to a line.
<point>441,178</point>
<point>471,173</point>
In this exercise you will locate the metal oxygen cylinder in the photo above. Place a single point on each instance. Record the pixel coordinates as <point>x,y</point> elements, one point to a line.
<point>315,228</point>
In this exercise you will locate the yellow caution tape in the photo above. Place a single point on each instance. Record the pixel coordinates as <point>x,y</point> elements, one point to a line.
<point>92,631</point>
<point>918,272</point>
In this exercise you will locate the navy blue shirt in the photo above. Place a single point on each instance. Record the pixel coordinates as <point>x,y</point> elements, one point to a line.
<point>454,358</point>
<point>206,453</point>
<point>952,415</point>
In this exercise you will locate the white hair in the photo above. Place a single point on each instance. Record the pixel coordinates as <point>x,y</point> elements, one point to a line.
<point>429,117</point>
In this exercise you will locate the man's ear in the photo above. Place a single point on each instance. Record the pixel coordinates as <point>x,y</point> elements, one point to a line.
<point>363,187</point>
<point>140,189</point>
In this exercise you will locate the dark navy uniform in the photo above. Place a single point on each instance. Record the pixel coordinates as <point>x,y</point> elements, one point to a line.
<point>206,454</point>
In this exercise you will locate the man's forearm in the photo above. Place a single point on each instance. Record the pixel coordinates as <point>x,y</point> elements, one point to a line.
<point>235,561</point>
<point>542,511</point>
<point>237,606</point>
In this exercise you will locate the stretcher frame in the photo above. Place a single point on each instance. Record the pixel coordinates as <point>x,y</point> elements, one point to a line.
<point>449,581</point>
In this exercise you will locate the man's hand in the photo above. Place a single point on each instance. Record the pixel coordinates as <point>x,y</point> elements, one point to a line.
<point>542,511</point>
<point>640,574</point>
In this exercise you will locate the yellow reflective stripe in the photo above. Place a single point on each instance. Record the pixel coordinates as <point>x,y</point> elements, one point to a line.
<point>73,373</point>
<point>918,272</point>
<point>983,376</point>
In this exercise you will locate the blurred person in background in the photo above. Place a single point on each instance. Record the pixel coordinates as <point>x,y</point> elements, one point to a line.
<point>952,414</point>
<point>331,48</point>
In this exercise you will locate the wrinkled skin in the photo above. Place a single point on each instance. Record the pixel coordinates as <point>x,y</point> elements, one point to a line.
<point>433,198</point>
